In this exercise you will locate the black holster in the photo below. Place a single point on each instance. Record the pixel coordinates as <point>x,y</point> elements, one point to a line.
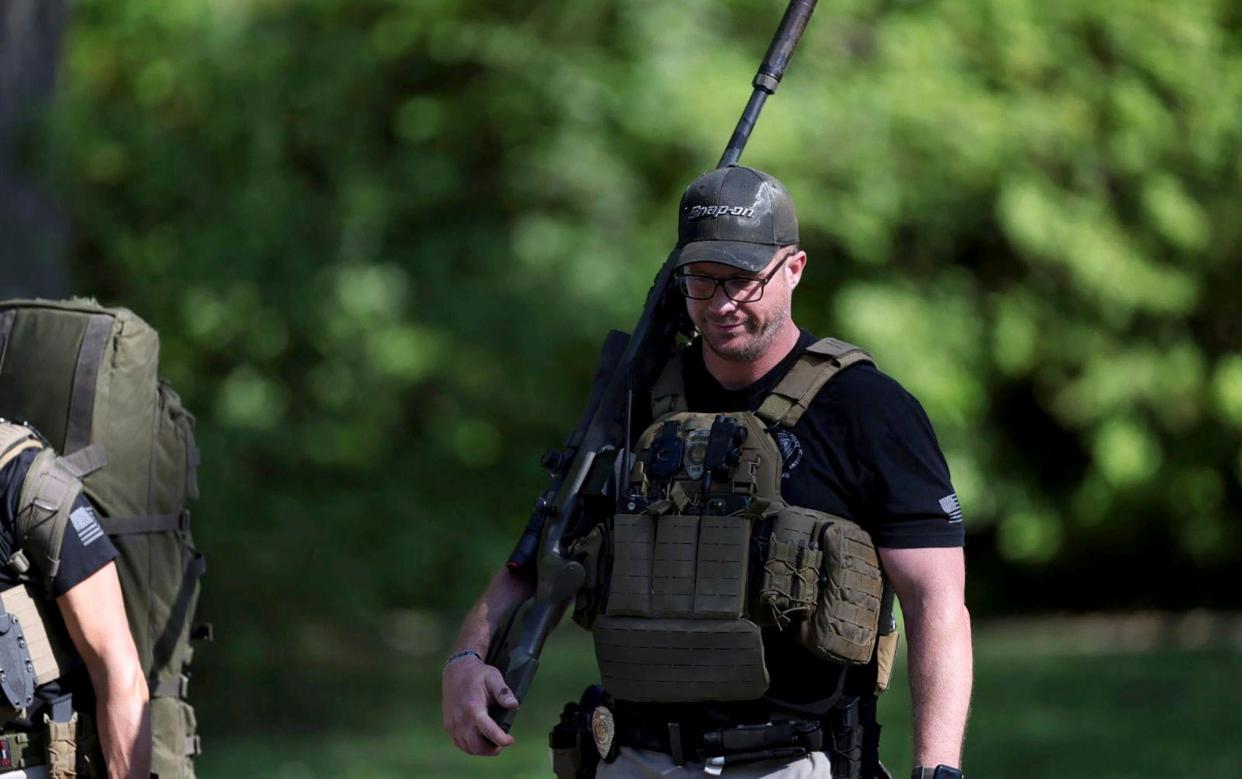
<point>574,755</point>
<point>854,740</point>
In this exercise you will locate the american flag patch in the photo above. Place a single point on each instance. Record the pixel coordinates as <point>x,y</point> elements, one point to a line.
<point>950,505</point>
<point>83,520</point>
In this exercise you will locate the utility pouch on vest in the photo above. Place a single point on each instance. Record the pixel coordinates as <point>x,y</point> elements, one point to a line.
<point>591,551</point>
<point>62,747</point>
<point>844,626</point>
<point>885,653</point>
<point>629,589</point>
<point>673,629</point>
<point>886,643</point>
<point>790,585</point>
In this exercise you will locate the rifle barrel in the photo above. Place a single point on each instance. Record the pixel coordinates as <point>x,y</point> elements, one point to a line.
<point>780,51</point>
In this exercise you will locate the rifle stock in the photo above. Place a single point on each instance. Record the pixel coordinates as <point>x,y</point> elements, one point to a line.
<point>628,367</point>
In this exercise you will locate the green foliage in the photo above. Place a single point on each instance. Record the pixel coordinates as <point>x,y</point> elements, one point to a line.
<point>383,241</point>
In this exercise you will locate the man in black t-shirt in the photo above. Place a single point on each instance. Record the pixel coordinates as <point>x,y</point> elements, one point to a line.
<point>107,684</point>
<point>863,450</point>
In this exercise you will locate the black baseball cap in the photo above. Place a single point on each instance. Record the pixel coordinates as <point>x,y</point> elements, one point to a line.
<point>737,216</point>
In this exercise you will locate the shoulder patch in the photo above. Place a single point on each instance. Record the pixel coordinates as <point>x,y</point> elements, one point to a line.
<point>950,505</point>
<point>790,448</point>
<point>87,527</point>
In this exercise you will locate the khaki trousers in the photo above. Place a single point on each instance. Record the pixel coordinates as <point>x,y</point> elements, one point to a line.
<point>641,764</point>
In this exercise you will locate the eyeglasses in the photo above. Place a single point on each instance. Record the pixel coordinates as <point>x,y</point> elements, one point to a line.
<point>739,289</point>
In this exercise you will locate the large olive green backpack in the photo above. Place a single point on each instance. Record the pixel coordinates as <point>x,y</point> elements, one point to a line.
<point>86,377</point>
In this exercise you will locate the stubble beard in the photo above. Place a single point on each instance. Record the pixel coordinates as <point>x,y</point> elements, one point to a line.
<point>760,337</point>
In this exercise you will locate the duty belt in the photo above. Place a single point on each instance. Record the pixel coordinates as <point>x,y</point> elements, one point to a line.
<point>720,747</point>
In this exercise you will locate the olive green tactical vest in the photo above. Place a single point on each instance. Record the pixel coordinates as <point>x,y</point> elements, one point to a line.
<point>706,552</point>
<point>86,378</point>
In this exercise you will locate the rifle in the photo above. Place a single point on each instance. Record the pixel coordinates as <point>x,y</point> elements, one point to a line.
<point>585,476</point>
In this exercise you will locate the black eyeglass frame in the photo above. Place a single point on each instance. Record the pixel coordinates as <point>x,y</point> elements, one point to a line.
<point>723,283</point>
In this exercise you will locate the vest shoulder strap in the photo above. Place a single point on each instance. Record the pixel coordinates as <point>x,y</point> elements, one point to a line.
<point>668,395</point>
<point>821,361</point>
<point>15,439</point>
<point>43,511</point>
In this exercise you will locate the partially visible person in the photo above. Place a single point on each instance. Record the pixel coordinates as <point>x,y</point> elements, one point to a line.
<point>86,713</point>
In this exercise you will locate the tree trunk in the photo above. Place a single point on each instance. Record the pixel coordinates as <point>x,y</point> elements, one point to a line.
<point>34,231</point>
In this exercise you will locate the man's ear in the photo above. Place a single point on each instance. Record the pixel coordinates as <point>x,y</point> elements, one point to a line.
<point>795,265</point>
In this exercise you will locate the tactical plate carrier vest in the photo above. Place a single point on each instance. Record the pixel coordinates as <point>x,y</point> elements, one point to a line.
<point>705,553</point>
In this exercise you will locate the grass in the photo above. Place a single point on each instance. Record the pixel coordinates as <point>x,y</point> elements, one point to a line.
<point>1042,708</point>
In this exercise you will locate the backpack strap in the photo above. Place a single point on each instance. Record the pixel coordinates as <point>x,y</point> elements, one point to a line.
<point>15,439</point>
<point>86,460</point>
<point>147,523</point>
<point>821,361</point>
<point>668,395</point>
<point>7,318</point>
<point>85,378</point>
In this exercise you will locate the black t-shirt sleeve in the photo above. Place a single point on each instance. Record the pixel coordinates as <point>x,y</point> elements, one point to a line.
<point>86,547</point>
<point>904,485</point>
<point>11,478</point>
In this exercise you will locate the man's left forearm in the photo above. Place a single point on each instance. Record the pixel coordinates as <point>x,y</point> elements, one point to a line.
<point>94,612</point>
<point>941,664</point>
<point>124,717</point>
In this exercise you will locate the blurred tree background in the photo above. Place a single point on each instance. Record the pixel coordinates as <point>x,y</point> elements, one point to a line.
<point>383,240</point>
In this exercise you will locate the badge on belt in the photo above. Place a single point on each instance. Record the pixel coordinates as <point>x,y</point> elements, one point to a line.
<point>604,731</point>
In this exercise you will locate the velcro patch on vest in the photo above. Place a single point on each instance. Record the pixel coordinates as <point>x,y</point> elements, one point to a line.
<point>680,660</point>
<point>87,527</point>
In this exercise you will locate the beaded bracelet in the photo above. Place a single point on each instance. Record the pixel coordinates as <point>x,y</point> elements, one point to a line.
<point>461,654</point>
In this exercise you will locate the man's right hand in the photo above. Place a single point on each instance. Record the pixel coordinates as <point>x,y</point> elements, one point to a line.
<point>469,686</point>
